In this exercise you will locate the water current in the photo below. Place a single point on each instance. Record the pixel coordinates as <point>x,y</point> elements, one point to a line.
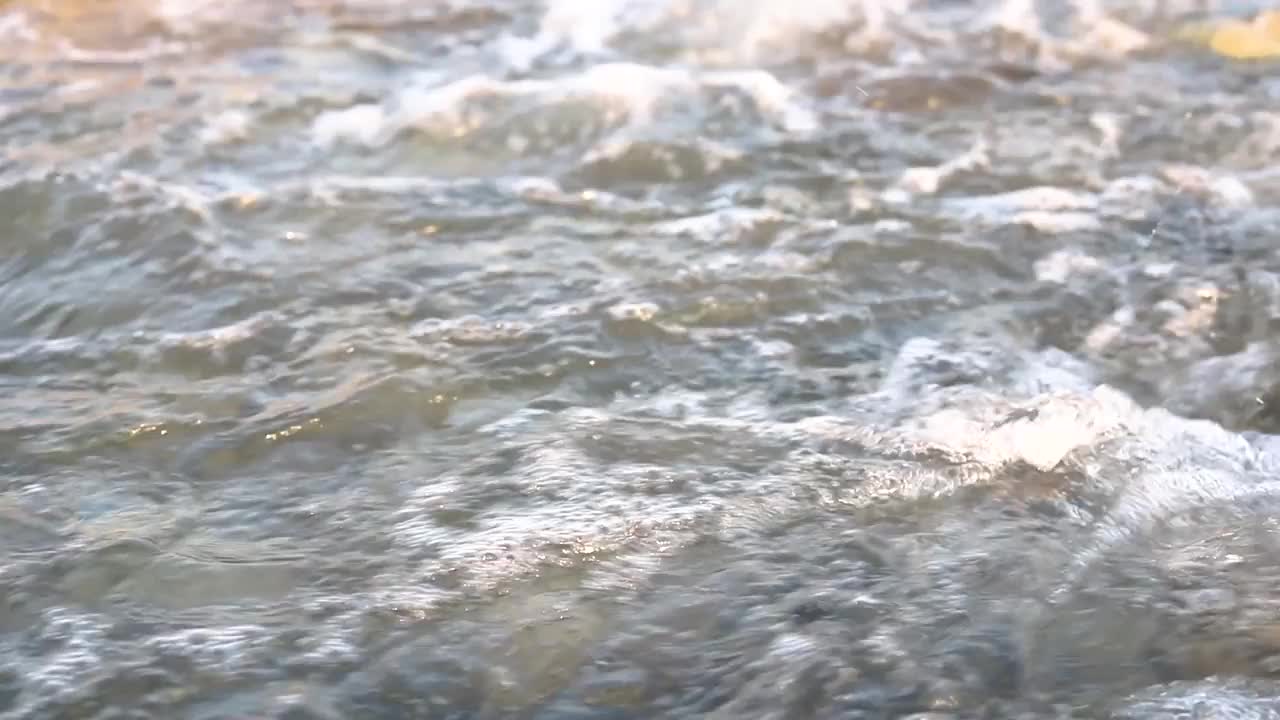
<point>482,359</point>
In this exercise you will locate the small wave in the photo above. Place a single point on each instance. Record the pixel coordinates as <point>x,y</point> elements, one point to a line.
<point>602,112</point>
<point>1243,698</point>
<point>718,32</point>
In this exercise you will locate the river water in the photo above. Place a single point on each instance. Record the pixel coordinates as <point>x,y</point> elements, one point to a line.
<point>636,360</point>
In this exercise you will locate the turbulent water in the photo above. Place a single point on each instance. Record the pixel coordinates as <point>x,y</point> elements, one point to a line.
<point>637,360</point>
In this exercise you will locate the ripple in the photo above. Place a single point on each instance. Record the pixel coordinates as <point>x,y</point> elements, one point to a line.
<point>635,359</point>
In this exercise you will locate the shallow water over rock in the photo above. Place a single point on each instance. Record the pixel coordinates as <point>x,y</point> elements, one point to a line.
<point>637,359</point>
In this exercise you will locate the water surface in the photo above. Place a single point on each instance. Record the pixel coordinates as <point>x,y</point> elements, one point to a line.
<point>646,359</point>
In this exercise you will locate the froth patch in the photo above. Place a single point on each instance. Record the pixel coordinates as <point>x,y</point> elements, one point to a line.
<point>1041,433</point>
<point>614,95</point>
<point>1224,697</point>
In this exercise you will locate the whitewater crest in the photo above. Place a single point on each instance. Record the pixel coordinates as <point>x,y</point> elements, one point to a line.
<point>638,359</point>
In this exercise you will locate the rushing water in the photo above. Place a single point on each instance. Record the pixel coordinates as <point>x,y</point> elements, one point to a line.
<point>630,360</point>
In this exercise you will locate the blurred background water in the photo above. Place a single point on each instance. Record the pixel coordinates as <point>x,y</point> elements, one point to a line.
<point>639,359</point>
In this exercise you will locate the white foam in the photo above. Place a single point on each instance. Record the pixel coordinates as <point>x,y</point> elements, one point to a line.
<point>728,32</point>
<point>329,189</point>
<point>16,26</point>
<point>580,510</point>
<point>587,26</point>
<point>219,339</point>
<point>60,674</point>
<point>470,330</point>
<point>1008,207</point>
<point>1229,698</point>
<point>721,226</point>
<point>219,649</point>
<point>1081,30</point>
<point>1053,223</point>
<point>1041,433</point>
<point>1131,198</point>
<point>226,127</point>
<point>361,125</point>
<point>1060,265</point>
<point>928,180</point>
<point>770,96</point>
<point>626,94</point>
<point>1220,190</point>
<point>641,311</point>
